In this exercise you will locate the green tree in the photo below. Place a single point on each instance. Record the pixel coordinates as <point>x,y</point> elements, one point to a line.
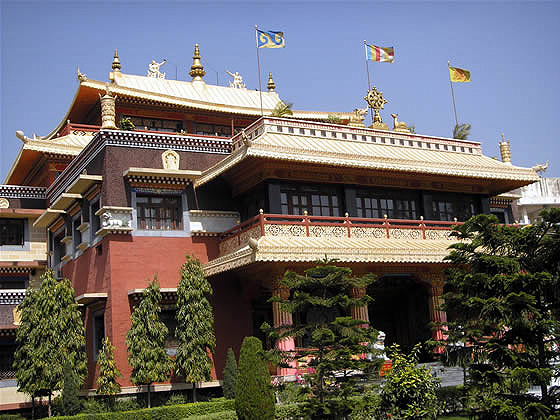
<point>282,109</point>
<point>230,375</point>
<point>195,325</point>
<point>108,372</point>
<point>70,400</point>
<point>461,131</point>
<point>126,124</point>
<point>503,294</point>
<point>51,333</point>
<point>409,391</point>
<point>334,341</point>
<point>146,339</point>
<point>254,399</point>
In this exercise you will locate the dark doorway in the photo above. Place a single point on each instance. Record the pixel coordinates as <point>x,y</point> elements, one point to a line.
<point>400,309</point>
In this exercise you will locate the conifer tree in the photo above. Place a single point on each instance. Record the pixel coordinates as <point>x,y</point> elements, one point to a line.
<point>335,341</point>
<point>195,325</point>
<point>146,340</point>
<point>51,333</point>
<point>230,375</point>
<point>108,372</point>
<point>254,399</point>
<point>503,293</point>
<point>70,400</point>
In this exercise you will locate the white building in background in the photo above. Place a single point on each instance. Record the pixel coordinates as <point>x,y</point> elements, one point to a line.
<point>534,197</point>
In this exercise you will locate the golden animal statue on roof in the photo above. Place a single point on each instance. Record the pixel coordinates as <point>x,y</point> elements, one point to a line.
<point>399,125</point>
<point>357,117</point>
<point>376,101</point>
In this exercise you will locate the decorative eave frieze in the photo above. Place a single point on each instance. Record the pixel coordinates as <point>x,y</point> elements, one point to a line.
<point>12,296</point>
<point>21,191</point>
<point>160,176</point>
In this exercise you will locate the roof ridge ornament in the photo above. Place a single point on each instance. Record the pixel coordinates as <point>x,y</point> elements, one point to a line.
<point>237,81</point>
<point>270,85</point>
<point>80,76</point>
<point>376,101</point>
<point>153,69</point>
<point>116,66</point>
<point>197,71</point>
<point>505,151</point>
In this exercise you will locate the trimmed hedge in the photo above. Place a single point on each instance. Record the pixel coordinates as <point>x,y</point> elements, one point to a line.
<point>224,415</point>
<point>170,412</point>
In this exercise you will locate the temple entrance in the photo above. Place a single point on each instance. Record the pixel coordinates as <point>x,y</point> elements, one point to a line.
<point>400,309</point>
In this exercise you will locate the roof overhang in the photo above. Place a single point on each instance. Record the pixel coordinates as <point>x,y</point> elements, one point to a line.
<point>89,298</point>
<point>21,213</point>
<point>161,175</point>
<point>48,217</point>
<point>83,183</point>
<point>346,250</point>
<point>64,201</point>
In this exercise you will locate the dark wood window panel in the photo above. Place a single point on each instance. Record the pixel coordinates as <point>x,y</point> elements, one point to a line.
<point>157,212</point>
<point>11,231</point>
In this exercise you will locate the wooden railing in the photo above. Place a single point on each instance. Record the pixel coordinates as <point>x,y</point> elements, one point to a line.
<point>79,129</point>
<point>333,227</point>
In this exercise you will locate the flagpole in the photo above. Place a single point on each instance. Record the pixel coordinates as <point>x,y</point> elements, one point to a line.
<point>453,96</point>
<point>368,82</point>
<point>258,65</point>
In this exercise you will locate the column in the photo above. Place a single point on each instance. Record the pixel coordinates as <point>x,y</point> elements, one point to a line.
<point>359,312</point>
<point>436,313</point>
<point>283,318</point>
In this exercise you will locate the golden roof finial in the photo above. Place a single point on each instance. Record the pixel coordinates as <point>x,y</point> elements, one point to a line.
<point>505,151</point>
<point>270,85</point>
<point>376,101</point>
<point>197,71</point>
<point>116,63</point>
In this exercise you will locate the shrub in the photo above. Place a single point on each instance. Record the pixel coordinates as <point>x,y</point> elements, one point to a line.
<point>160,413</point>
<point>451,398</point>
<point>410,390</point>
<point>70,401</point>
<point>289,412</point>
<point>253,397</point>
<point>230,375</point>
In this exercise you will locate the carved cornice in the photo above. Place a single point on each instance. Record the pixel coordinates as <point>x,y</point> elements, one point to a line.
<point>21,191</point>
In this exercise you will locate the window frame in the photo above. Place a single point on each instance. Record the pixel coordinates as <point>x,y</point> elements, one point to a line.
<point>24,228</point>
<point>316,200</point>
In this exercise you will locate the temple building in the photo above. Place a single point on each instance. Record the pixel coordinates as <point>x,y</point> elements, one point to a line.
<point>143,170</point>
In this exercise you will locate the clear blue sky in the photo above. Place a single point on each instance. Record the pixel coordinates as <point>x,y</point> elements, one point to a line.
<point>511,48</point>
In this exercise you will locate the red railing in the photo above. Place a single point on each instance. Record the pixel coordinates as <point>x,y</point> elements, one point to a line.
<point>69,128</point>
<point>345,222</point>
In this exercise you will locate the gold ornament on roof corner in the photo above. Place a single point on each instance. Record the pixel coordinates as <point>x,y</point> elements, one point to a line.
<point>376,101</point>
<point>357,118</point>
<point>399,125</point>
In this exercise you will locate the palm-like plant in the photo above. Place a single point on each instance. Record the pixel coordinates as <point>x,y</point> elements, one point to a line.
<point>282,109</point>
<point>461,131</point>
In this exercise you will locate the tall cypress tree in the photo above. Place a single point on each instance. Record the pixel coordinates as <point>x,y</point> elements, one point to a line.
<point>195,325</point>
<point>108,372</point>
<point>146,341</point>
<point>254,399</point>
<point>230,375</point>
<point>50,335</point>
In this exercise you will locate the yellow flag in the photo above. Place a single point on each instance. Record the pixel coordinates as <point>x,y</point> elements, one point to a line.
<point>459,75</point>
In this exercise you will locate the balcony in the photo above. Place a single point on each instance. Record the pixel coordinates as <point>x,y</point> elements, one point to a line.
<point>332,227</point>
<point>274,238</point>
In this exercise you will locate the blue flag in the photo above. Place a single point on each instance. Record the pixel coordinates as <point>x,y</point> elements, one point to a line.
<point>270,39</point>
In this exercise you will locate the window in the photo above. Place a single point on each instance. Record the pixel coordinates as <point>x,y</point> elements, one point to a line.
<point>13,282</point>
<point>448,209</point>
<point>316,201</point>
<point>212,130</point>
<point>370,205</point>
<point>76,234</point>
<point>159,212</point>
<point>95,220</point>
<point>98,333</point>
<point>170,320</point>
<point>156,124</point>
<point>12,231</point>
<point>7,349</point>
<point>58,248</point>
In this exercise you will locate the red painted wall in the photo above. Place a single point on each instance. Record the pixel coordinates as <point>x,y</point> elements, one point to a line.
<point>126,263</point>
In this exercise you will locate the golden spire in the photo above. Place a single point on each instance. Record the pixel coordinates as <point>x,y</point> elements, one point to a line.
<point>197,71</point>
<point>270,85</point>
<point>116,63</point>
<point>505,151</point>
